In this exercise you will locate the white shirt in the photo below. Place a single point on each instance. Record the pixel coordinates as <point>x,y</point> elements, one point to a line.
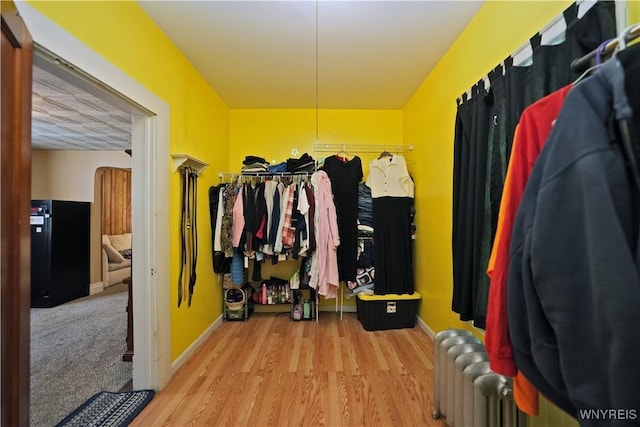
<point>388,177</point>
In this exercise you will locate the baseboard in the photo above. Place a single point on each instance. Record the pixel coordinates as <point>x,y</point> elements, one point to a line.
<point>426,328</point>
<point>96,288</point>
<point>195,345</point>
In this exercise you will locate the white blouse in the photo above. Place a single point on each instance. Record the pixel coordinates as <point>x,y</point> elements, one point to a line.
<point>389,177</point>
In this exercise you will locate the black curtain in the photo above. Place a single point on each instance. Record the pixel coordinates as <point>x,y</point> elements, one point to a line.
<point>484,129</point>
<point>470,173</point>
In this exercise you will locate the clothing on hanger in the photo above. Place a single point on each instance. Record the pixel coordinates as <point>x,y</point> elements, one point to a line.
<point>392,194</point>
<point>573,288</point>
<point>345,177</point>
<point>531,134</point>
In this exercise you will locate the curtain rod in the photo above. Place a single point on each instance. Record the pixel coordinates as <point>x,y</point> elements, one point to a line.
<point>583,63</point>
<point>588,4</point>
<point>526,46</point>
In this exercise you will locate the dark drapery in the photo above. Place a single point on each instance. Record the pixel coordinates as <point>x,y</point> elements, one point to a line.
<point>484,129</point>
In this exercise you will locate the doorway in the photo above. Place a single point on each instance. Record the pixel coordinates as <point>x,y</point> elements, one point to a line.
<point>150,132</point>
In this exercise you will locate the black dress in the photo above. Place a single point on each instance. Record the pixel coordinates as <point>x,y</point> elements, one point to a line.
<point>345,177</point>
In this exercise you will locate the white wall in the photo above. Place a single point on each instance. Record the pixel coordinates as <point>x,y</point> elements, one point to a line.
<point>69,175</point>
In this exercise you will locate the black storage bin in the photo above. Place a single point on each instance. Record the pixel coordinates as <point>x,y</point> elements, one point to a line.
<point>390,311</point>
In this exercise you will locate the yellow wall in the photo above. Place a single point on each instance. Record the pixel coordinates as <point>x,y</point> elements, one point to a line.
<point>634,12</point>
<point>429,120</point>
<point>273,134</point>
<point>122,33</point>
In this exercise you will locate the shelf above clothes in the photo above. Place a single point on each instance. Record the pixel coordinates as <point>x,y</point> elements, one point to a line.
<point>230,176</point>
<point>361,148</point>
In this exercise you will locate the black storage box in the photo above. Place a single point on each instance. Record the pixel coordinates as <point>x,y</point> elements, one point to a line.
<point>389,311</point>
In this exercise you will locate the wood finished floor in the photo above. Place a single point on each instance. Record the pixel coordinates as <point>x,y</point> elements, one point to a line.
<point>271,371</point>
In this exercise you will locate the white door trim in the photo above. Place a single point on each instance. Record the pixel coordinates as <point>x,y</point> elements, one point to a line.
<point>150,199</point>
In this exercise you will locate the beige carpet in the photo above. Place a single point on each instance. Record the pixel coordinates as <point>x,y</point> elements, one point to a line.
<point>76,352</point>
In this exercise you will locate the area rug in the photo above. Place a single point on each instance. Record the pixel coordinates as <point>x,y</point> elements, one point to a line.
<point>107,409</point>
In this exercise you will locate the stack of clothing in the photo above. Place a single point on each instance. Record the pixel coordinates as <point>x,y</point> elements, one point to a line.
<point>304,164</point>
<point>278,168</point>
<point>366,271</point>
<point>255,164</point>
<point>365,205</point>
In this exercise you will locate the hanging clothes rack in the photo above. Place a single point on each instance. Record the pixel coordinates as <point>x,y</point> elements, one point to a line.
<point>358,148</point>
<point>583,63</point>
<point>230,176</point>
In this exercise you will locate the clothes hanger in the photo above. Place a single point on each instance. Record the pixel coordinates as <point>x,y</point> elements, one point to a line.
<point>631,33</point>
<point>343,155</point>
<point>600,51</point>
<point>385,154</point>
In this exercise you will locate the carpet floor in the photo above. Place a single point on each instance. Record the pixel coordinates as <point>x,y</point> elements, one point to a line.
<point>76,352</point>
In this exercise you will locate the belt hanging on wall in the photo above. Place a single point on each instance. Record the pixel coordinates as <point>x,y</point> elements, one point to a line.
<point>188,234</point>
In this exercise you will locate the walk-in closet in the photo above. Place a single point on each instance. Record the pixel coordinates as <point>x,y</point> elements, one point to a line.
<point>344,213</point>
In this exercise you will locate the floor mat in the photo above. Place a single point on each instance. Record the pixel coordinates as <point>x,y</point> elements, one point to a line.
<point>107,409</point>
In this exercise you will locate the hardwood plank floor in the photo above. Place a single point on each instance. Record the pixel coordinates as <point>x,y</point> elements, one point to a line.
<point>271,371</point>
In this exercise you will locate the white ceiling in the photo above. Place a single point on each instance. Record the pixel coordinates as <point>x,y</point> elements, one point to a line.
<point>272,54</point>
<point>66,117</point>
<point>262,54</point>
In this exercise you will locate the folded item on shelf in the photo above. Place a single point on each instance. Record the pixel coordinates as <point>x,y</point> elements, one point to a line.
<point>364,290</point>
<point>255,168</point>
<point>278,168</point>
<point>365,205</point>
<point>365,276</point>
<point>254,159</point>
<point>364,229</point>
<point>366,254</point>
<point>305,163</point>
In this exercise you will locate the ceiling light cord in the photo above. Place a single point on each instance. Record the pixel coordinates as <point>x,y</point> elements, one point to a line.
<point>317,66</point>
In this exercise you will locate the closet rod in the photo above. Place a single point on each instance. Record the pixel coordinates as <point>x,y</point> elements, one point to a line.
<point>583,7</point>
<point>223,175</point>
<point>583,63</point>
<point>526,46</point>
<point>364,148</point>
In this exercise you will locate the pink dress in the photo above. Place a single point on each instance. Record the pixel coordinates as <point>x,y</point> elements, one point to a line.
<point>238,219</point>
<point>324,270</point>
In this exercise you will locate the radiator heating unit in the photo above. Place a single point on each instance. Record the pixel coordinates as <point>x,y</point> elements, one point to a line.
<point>467,393</point>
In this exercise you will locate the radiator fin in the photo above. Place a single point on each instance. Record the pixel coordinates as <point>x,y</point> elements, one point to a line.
<point>467,393</point>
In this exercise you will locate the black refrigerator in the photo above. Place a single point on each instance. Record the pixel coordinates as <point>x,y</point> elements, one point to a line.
<point>60,251</point>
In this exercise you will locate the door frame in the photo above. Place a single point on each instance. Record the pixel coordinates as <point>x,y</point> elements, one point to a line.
<point>15,202</point>
<point>150,199</point>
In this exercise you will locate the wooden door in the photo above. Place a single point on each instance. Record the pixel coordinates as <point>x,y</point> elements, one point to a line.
<point>16,52</point>
<point>116,201</point>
